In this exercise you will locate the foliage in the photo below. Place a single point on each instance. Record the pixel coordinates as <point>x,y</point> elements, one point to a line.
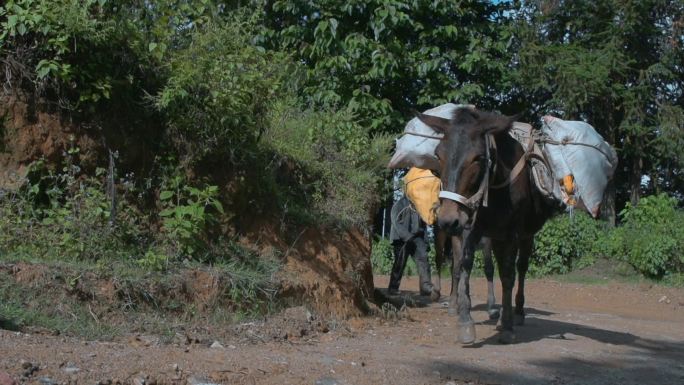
<point>187,212</point>
<point>565,242</point>
<point>382,256</point>
<point>219,91</point>
<point>337,165</point>
<point>383,58</point>
<point>59,215</point>
<point>615,64</point>
<point>652,238</point>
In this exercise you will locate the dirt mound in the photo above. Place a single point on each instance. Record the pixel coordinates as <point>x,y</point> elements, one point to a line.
<point>329,270</point>
<point>27,135</point>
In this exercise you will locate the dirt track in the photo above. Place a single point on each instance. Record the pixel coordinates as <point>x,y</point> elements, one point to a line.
<point>575,334</point>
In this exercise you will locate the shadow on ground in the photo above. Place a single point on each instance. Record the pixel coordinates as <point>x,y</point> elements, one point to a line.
<point>404,298</point>
<point>624,358</point>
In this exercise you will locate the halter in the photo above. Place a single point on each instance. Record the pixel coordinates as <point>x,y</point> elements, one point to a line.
<point>482,195</point>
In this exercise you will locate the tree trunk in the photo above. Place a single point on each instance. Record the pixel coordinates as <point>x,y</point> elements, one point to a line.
<point>608,205</point>
<point>635,179</point>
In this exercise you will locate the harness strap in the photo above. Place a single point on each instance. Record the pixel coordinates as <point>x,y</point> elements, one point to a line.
<point>482,194</point>
<point>454,197</point>
<point>520,164</point>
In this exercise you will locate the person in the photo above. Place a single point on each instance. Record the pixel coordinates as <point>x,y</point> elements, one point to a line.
<point>408,234</point>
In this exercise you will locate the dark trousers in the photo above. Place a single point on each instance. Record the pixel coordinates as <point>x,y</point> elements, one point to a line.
<point>417,247</point>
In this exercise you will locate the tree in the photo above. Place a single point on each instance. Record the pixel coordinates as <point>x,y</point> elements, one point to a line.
<point>616,64</point>
<point>384,58</point>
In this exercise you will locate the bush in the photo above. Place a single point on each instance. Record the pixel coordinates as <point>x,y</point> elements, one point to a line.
<point>337,166</point>
<point>382,256</point>
<point>565,242</point>
<point>62,216</point>
<point>219,92</point>
<point>652,236</point>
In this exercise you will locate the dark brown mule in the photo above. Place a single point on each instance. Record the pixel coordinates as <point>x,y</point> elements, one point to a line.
<point>487,190</point>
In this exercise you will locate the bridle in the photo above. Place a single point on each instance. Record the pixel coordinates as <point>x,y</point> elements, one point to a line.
<point>481,196</point>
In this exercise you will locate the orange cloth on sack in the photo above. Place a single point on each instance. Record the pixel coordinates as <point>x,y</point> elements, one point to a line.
<point>422,188</point>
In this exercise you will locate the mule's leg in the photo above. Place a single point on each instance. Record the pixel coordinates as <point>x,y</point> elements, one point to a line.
<point>456,253</point>
<point>505,252</point>
<point>466,325</point>
<point>489,273</point>
<point>525,247</point>
<point>440,243</point>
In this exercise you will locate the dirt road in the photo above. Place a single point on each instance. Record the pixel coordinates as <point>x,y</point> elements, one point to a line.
<point>575,334</point>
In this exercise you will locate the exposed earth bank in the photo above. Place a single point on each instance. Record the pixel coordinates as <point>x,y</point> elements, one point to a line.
<point>612,333</point>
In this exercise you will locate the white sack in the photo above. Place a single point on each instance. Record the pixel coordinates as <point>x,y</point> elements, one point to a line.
<point>592,163</point>
<point>418,151</point>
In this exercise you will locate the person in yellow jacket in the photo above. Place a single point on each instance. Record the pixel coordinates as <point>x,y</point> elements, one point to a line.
<point>408,234</point>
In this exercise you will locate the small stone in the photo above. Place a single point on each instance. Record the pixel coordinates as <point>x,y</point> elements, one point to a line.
<point>175,367</point>
<point>71,369</point>
<point>450,383</point>
<point>232,347</point>
<point>662,299</point>
<point>327,381</point>
<point>216,345</point>
<point>138,381</point>
<point>192,380</point>
<point>47,381</point>
<point>6,379</point>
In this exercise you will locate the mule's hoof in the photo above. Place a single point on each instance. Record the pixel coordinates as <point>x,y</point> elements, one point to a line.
<point>435,295</point>
<point>507,337</point>
<point>518,319</point>
<point>493,313</point>
<point>466,333</point>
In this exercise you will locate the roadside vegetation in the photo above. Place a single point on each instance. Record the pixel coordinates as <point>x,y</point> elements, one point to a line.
<point>183,124</point>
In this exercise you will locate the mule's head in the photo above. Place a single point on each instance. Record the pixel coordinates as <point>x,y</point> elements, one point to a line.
<point>462,155</point>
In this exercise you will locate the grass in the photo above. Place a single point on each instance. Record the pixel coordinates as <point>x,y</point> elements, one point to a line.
<point>66,296</point>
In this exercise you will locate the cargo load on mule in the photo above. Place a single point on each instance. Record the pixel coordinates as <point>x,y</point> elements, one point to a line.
<point>416,147</point>
<point>422,187</point>
<point>570,162</point>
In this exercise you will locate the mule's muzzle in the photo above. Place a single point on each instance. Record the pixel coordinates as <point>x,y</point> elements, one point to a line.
<point>451,217</point>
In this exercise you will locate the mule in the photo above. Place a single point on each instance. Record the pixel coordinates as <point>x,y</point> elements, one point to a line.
<point>487,190</point>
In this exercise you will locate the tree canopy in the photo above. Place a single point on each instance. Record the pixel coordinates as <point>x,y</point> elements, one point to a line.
<point>207,81</point>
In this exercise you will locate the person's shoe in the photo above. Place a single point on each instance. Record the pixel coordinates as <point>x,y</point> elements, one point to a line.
<point>392,291</point>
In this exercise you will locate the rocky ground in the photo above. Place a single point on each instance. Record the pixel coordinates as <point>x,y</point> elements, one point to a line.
<point>609,333</point>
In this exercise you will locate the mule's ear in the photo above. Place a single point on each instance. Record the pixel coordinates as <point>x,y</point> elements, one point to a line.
<point>495,123</point>
<point>438,124</point>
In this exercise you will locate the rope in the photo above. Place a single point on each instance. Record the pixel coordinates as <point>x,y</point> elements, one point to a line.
<point>423,135</point>
<point>563,143</point>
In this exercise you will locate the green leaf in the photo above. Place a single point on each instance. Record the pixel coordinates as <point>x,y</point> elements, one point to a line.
<point>165,195</point>
<point>167,212</point>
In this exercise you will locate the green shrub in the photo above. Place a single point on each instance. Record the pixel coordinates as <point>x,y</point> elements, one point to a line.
<point>652,236</point>
<point>65,215</point>
<point>565,242</point>
<point>335,162</point>
<point>382,256</point>
<point>187,213</point>
<point>219,91</point>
